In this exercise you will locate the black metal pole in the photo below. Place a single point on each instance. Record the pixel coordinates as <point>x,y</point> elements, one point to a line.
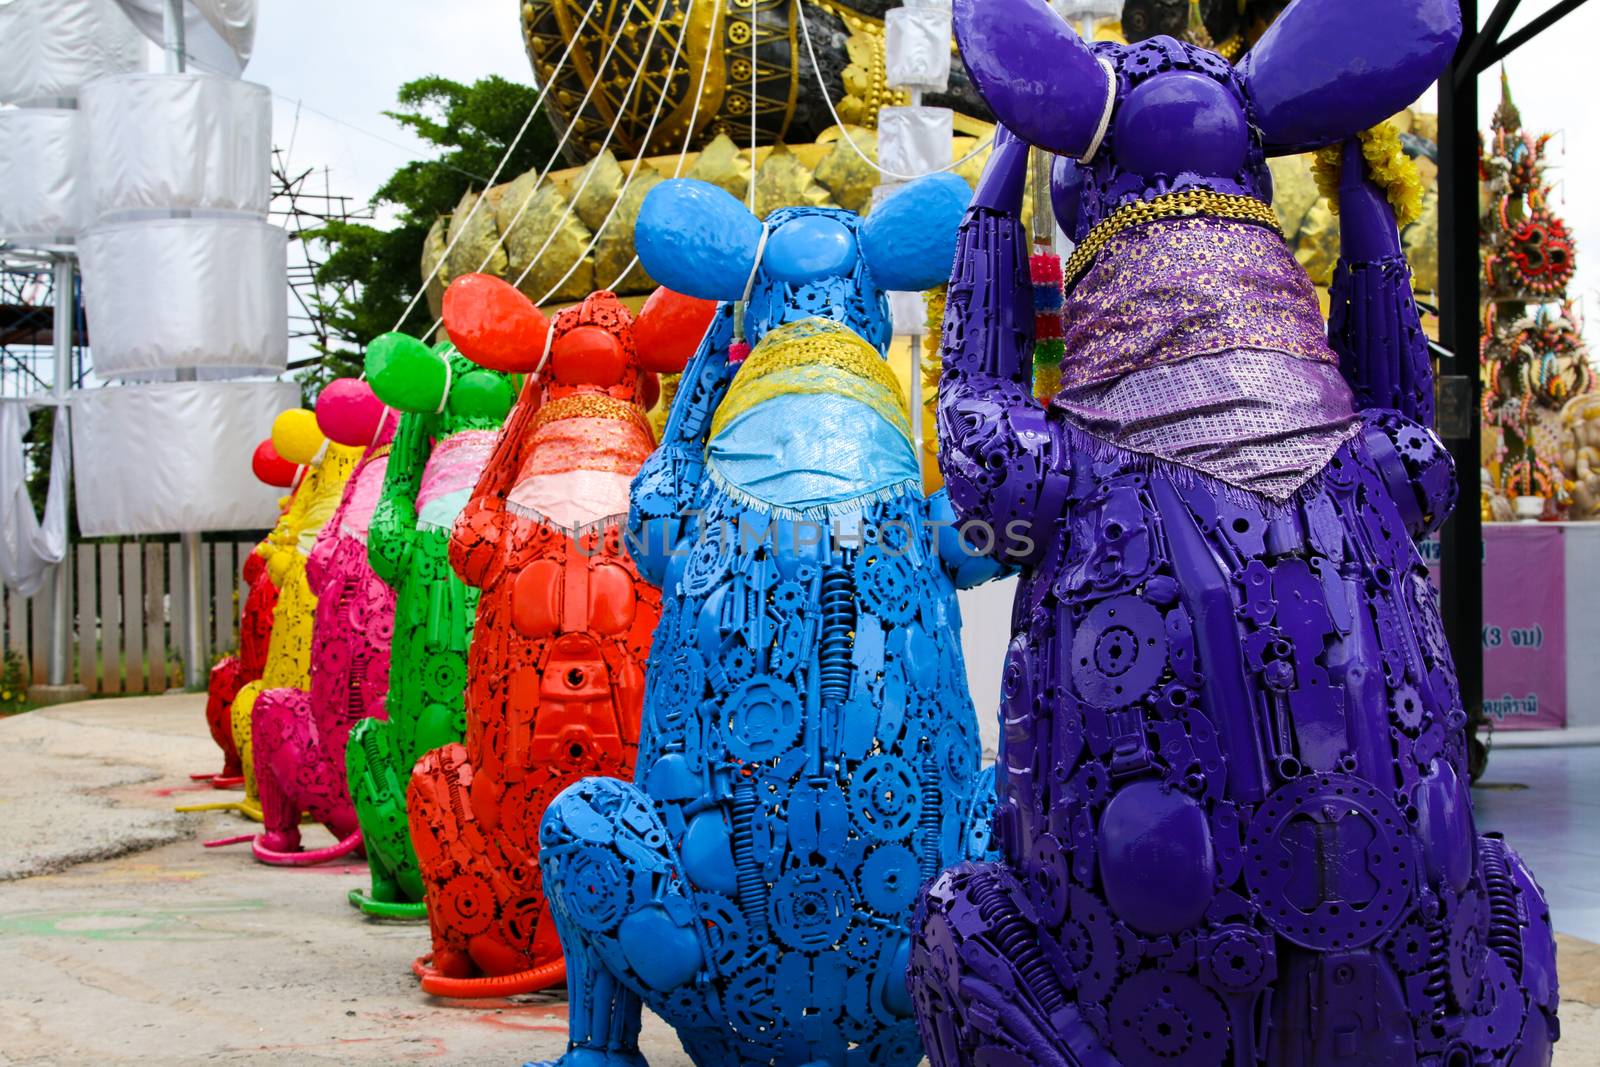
<point>1461,562</point>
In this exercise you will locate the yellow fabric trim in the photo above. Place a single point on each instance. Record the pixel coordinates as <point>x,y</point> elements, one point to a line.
<point>815,356</point>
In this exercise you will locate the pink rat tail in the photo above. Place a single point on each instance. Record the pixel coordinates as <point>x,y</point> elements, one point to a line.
<point>309,857</point>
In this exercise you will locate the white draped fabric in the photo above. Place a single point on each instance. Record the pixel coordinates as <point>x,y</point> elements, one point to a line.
<point>44,202</point>
<point>178,142</point>
<point>218,34</point>
<point>916,47</point>
<point>158,458</point>
<point>29,547</point>
<point>914,140</point>
<point>51,48</point>
<point>177,293</point>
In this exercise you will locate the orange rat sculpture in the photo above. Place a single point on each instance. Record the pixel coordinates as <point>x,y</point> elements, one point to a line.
<point>556,670</point>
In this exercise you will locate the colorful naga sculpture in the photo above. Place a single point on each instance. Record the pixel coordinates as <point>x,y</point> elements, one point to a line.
<point>451,412</point>
<point>809,749</point>
<point>1532,359</point>
<point>1233,810</point>
<point>300,734</point>
<point>556,678</point>
<point>231,673</point>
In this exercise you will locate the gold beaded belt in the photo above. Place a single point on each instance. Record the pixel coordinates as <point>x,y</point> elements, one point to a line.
<point>1187,204</point>
<point>589,406</point>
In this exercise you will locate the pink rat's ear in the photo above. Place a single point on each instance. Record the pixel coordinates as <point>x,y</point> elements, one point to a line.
<point>669,329</point>
<point>494,325</point>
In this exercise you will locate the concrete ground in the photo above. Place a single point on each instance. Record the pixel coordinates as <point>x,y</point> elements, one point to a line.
<point>123,941</point>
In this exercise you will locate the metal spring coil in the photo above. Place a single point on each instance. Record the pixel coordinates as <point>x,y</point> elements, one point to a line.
<point>375,761</point>
<point>355,704</point>
<point>1438,970</point>
<point>1016,942</point>
<point>752,887</point>
<point>458,803</point>
<point>838,620</point>
<point>928,822</point>
<point>1505,926</point>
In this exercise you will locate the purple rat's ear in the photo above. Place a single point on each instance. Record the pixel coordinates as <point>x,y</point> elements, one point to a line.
<point>1035,73</point>
<point>1330,68</point>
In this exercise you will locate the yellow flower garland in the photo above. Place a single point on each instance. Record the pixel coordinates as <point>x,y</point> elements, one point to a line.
<point>1388,164</point>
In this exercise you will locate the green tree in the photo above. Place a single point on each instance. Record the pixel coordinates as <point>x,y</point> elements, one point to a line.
<point>380,269</point>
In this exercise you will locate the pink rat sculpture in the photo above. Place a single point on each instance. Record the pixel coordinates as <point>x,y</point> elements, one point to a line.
<point>300,735</point>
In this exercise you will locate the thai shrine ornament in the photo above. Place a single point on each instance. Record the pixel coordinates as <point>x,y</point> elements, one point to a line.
<point>451,411</point>
<point>300,734</point>
<point>1533,362</point>
<point>231,673</point>
<point>556,673</point>
<point>1227,27</point>
<point>741,70</point>
<point>809,751</point>
<point>1232,812</point>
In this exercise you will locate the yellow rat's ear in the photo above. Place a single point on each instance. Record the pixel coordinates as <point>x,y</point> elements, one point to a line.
<point>296,436</point>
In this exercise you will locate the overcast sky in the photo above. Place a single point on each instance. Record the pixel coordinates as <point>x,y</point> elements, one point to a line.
<point>334,66</point>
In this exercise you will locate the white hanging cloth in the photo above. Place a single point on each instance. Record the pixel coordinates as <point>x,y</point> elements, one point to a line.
<point>162,458</point>
<point>29,548</point>
<point>218,34</point>
<point>49,49</point>
<point>165,142</point>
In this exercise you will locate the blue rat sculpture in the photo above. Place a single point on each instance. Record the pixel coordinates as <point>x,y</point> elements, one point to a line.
<point>809,752</point>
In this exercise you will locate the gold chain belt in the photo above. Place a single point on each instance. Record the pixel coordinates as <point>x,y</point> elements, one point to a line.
<point>1188,204</point>
<point>589,406</point>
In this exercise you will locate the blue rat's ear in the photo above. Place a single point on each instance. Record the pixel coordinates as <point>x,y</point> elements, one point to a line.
<point>909,240</point>
<point>696,239</point>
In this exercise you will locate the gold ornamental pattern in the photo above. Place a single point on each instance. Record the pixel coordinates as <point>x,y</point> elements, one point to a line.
<point>751,55</point>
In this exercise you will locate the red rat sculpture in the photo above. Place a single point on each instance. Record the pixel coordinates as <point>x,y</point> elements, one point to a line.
<point>556,679</point>
<point>233,673</point>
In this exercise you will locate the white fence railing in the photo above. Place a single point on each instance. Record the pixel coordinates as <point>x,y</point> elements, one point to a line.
<point>125,629</point>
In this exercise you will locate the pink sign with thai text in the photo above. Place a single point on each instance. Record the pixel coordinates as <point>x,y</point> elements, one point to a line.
<point>1524,624</point>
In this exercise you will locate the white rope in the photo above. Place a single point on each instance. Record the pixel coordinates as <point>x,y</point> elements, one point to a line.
<point>512,147</point>
<point>594,83</point>
<point>755,267</point>
<point>1105,112</point>
<point>449,374</point>
<point>633,169</point>
<point>753,136</point>
<point>549,346</point>
<point>844,131</point>
<point>555,157</point>
<point>688,136</point>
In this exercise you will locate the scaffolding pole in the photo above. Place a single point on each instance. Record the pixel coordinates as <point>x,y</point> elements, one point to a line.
<point>195,667</point>
<point>61,341</point>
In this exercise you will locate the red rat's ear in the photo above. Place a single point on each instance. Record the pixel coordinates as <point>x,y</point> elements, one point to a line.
<point>669,328</point>
<point>493,324</point>
<point>272,468</point>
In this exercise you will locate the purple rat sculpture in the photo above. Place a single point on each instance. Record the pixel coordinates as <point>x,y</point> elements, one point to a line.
<point>1232,807</point>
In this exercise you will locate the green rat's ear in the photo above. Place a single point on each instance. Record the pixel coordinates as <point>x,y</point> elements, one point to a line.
<point>406,374</point>
<point>482,394</point>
